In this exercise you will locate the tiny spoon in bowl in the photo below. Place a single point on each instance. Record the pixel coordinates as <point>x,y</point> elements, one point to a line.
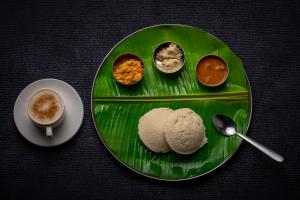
<point>227,127</point>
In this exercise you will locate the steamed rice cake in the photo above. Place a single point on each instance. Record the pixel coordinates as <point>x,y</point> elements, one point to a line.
<point>184,131</point>
<point>150,129</point>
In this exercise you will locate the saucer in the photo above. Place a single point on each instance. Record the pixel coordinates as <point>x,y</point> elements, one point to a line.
<point>66,130</point>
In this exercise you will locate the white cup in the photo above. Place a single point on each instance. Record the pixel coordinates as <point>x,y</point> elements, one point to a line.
<point>46,109</point>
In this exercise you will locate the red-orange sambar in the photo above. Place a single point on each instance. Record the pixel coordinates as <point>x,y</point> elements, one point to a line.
<point>212,71</point>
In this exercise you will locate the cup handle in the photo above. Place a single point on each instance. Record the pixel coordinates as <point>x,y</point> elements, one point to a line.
<point>49,131</point>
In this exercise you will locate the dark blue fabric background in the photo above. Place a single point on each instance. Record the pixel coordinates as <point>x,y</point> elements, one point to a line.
<point>68,40</point>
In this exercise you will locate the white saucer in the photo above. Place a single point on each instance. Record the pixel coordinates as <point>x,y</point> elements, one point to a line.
<point>66,130</point>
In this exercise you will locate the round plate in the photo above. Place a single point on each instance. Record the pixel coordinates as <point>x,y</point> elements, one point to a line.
<point>116,109</point>
<point>62,133</point>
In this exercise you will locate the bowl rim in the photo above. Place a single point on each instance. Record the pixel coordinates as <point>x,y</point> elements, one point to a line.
<point>211,85</point>
<point>158,47</point>
<point>124,55</point>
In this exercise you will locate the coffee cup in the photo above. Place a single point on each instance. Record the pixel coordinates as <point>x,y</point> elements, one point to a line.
<point>46,109</point>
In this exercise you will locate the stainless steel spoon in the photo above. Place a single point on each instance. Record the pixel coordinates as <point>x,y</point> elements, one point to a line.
<point>227,126</point>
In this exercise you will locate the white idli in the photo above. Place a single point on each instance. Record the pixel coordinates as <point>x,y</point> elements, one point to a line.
<point>184,131</point>
<point>151,132</point>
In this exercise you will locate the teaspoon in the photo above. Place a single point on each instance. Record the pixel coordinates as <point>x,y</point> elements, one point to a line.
<point>227,127</point>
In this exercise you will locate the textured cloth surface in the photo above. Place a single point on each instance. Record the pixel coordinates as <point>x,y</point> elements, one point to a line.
<point>68,40</point>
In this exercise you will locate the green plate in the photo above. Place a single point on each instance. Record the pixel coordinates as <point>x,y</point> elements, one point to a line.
<point>116,109</point>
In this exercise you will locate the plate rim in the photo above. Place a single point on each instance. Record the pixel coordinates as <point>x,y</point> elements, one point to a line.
<point>134,170</point>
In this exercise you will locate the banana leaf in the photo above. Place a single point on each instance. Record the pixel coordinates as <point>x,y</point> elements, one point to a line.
<point>116,109</point>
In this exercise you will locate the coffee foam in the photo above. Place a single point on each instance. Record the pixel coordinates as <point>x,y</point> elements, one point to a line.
<point>45,106</point>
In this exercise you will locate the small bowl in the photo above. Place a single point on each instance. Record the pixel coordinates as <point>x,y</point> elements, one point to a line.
<point>157,62</point>
<point>129,56</point>
<point>201,81</point>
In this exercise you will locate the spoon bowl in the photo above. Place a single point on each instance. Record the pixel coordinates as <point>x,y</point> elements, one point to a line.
<point>224,125</point>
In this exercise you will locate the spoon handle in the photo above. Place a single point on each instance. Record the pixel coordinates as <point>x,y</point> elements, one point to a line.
<point>264,149</point>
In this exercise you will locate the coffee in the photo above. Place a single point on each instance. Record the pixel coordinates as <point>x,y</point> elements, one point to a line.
<point>45,106</point>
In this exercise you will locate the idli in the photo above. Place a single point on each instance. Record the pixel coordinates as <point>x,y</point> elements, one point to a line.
<point>150,129</point>
<point>184,131</point>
